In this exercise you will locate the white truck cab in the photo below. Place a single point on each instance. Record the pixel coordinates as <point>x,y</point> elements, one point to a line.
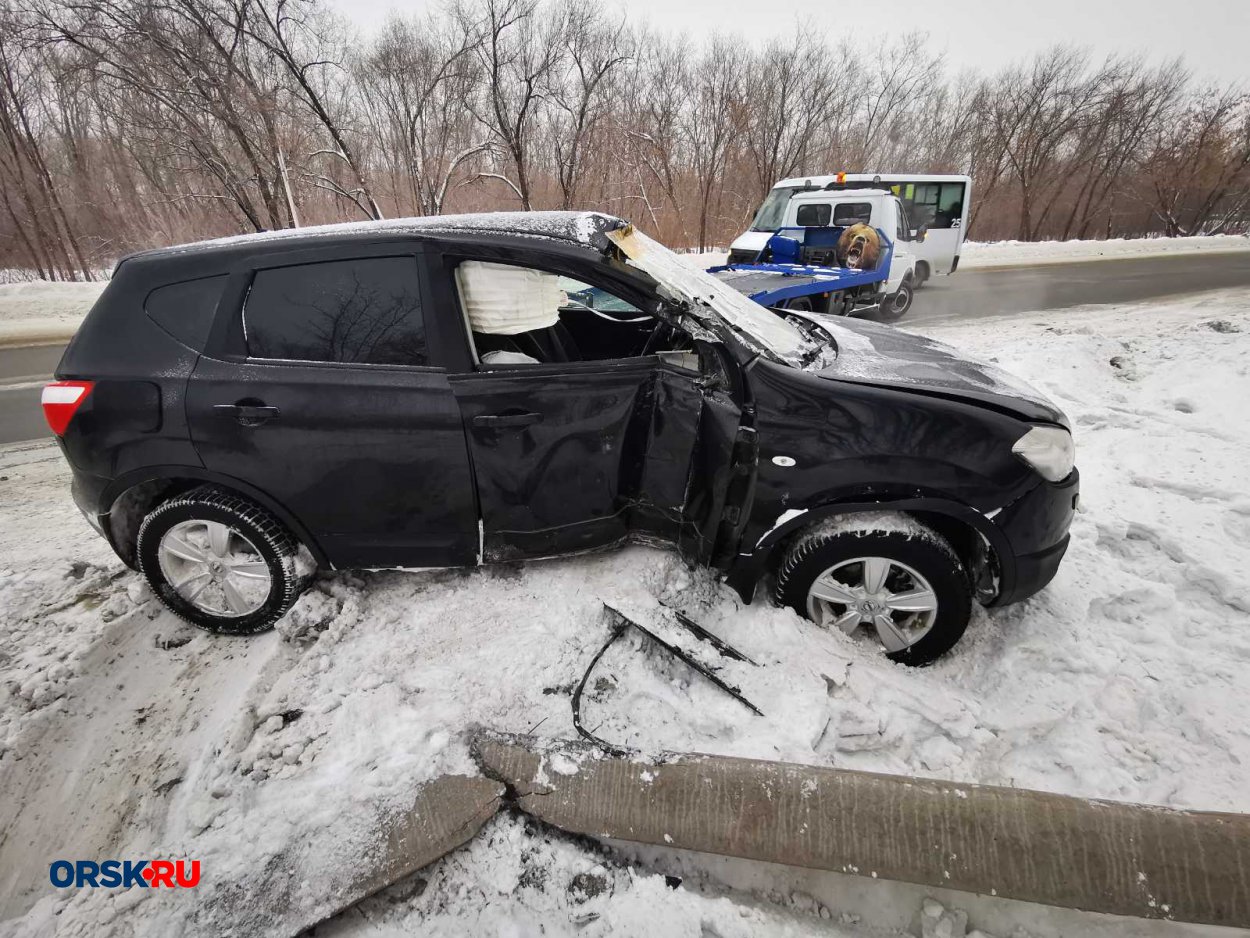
<point>820,208</point>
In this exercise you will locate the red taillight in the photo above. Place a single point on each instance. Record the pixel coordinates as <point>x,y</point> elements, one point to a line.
<point>61,400</point>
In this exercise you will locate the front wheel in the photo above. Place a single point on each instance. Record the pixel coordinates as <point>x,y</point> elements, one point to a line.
<point>895,583</point>
<point>220,561</point>
<point>896,305</point>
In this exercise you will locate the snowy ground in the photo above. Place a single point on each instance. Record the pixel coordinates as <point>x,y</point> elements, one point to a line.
<point>1018,253</point>
<point>125,734</point>
<point>38,312</point>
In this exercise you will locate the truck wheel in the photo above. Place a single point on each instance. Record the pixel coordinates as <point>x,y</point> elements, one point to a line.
<point>895,306</point>
<point>220,561</point>
<point>891,580</point>
<point>922,274</point>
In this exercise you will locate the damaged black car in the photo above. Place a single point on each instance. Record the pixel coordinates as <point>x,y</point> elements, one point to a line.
<point>464,390</point>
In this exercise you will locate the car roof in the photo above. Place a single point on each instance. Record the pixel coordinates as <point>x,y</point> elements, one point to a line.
<point>577,228</point>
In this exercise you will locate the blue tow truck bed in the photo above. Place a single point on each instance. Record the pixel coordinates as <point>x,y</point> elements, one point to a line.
<point>784,278</point>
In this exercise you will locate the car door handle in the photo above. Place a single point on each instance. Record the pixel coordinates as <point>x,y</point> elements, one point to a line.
<point>247,414</point>
<point>507,420</point>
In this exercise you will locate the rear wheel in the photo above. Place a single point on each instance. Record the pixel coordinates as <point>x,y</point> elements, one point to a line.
<point>922,274</point>
<point>897,584</point>
<point>220,561</point>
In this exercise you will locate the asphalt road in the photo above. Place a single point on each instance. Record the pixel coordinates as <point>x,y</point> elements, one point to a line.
<point>970,292</point>
<point>992,291</point>
<point>22,373</point>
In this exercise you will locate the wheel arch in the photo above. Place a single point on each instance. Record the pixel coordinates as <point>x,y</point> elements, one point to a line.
<point>132,496</point>
<point>964,528</point>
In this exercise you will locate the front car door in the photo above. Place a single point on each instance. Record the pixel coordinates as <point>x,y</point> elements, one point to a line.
<point>583,453</point>
<point>319,389</point>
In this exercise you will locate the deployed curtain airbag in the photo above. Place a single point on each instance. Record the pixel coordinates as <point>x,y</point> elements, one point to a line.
<point>500,299</point>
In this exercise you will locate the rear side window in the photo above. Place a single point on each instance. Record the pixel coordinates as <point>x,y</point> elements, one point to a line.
<point>363,311</point>
<point>853,213</point>
<point>813,214</point>
<point>185,310</point>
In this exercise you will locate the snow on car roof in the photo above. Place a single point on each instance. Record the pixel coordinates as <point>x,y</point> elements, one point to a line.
<point>578,227</point>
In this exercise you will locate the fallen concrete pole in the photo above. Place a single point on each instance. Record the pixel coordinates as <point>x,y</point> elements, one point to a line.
<point>300,888</point>
<point>1098,856</point>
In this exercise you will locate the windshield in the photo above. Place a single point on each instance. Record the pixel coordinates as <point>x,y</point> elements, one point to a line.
<point>708,297</point>
<point>772,214</point>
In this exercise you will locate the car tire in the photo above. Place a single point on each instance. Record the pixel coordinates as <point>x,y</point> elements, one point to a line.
<point>895,306</point>
<point>830,564</point>
<point>922,274</point>
<point>221,562</point>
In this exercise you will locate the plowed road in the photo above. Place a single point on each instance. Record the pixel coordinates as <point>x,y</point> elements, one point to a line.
<point>971,292</point>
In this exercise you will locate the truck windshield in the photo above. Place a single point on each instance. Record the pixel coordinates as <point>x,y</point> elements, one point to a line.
<point>772,214</point>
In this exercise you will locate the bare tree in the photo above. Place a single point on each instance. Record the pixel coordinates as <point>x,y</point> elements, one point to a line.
<point>1199,166</point>
<point>713,123</point>
<point>1034,114</point>
<point>518,46</point>
<point>288,30</point>
<point>417,79</point>
<point>581,90</point>
<point>127,123</point>
<point>797,102</point>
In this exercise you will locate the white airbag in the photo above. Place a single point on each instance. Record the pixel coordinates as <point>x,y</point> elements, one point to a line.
<point>503,300</point>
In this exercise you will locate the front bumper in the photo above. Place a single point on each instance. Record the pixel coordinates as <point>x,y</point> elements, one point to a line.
<point>1036,529</point>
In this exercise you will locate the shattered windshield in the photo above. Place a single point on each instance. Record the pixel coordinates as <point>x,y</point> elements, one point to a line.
<point>759,328</point>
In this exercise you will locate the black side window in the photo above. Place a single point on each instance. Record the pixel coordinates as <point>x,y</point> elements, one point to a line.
<point>185,310</point>
<point>813,214</point>
<point>363,311</point>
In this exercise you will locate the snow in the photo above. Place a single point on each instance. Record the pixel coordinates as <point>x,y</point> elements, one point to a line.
<point>573,226</point>
<point>39,312</point>
<point>124,733</point>
<point>976,254</point>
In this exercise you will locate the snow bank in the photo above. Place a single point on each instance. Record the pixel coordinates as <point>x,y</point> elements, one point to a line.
<point>39,312</point>
<point>1023,253</point>
<point>124,733</point>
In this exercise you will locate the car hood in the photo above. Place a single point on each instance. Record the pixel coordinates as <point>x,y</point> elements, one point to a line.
<point>869,353</point>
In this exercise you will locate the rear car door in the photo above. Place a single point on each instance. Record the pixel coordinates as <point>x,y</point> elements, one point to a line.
<point>319,389</point>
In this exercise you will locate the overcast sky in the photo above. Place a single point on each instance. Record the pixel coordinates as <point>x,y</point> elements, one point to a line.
<point>1212,35</point>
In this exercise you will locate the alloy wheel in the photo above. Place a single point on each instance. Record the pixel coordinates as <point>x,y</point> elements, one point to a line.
<point>215,568</point>
<point>877,593</point>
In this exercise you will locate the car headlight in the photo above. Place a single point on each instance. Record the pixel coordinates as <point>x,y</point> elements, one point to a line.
<point>1049,450</point>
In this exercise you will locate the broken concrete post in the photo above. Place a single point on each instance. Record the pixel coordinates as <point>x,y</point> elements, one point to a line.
<point>1099,856</point>
<point>299,888</point>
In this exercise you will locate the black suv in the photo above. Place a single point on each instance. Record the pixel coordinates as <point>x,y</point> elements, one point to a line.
<point>462,390</point>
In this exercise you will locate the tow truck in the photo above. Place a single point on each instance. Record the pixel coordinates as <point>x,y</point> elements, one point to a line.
<point>799,268</point>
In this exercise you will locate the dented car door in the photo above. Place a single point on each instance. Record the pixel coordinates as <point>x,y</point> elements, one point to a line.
<point>575,455</point>
<point>580,456</point>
